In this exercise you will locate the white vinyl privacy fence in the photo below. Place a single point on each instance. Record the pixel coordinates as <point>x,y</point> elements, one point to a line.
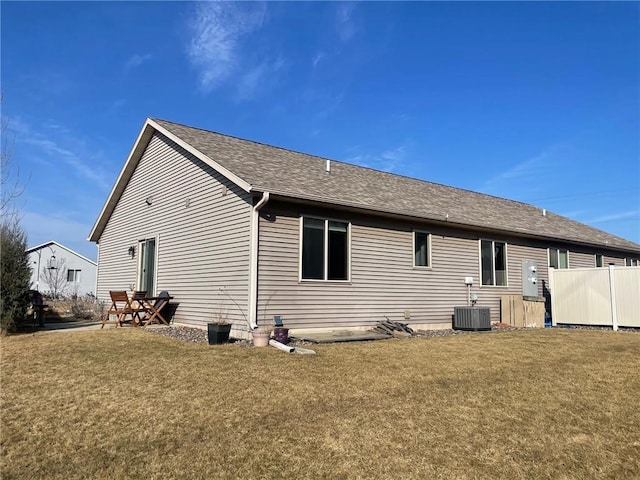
<point>596,296</point>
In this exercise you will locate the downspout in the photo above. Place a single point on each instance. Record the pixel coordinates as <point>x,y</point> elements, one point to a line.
<point>253,261</point>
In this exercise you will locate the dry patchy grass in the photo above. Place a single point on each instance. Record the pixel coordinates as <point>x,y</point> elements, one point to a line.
<point>125,404</point>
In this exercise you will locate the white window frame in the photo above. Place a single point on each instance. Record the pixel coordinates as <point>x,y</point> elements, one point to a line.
<point>595,260</point>
<point>139,262</point>
<point>326,221</point>
<point>558,257</point>
<point>429,265</point>
<point>631,262</point>
<point>76,275</point>
<point>493,263</point>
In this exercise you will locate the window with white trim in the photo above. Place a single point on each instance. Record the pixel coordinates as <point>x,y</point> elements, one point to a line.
<point>421,249</point>
<point>631,262</point>
<point>493,263</point>
<point>325,250</point>
<point>558,258</point>
<point>73,275</point>
<point>599,260</point>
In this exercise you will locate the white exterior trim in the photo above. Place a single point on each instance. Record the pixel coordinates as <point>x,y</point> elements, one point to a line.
<point>254,240</point>
<point>155,267</point>
<point>197,153</point>
<point>429,265</point>
<point>145,135</point>
<point>53,242</point>
<point>493,263</point>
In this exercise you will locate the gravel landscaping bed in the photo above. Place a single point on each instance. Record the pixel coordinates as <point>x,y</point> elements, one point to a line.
<point>198,335</point>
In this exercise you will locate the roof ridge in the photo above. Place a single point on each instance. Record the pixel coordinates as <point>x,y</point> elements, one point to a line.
<point>350,164</point>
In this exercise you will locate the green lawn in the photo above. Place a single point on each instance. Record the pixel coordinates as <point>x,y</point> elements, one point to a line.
<point>123,403</point>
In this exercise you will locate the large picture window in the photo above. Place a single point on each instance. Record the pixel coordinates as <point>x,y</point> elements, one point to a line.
<point>421,249</point>
<point>558,258</point>
<point>325,249</point>
<point>493,259</point>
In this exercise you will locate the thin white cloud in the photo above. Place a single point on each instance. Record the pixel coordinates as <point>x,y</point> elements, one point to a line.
<point>260,75</point>
<point>317,58</point>
<point>615,216</point>
<point>526,168</point>
<point>575,214</point>
<point>393,158</point>
<point>390,160</point>
<point>48,146</point>
<point>72,151</point>
<point>533,171</point>
<point>217,29</point>
<point>136,60</point>
<point>345,27</point>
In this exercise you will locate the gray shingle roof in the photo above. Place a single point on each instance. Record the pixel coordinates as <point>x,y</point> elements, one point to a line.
<point>298,175</point>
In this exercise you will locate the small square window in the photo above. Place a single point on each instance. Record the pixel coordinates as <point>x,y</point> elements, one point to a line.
<point>73,275</point>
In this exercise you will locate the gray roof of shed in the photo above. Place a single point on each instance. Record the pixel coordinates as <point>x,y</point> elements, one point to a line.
<point>298,175</point>
<point>282,172</point>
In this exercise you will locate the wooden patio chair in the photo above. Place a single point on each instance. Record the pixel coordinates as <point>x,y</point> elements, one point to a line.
<point>120,308</point>
<point>154,310</point>
<point>138,307</point>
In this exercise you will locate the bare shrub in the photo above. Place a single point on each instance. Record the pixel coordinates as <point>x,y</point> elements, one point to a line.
<point>88,308</point>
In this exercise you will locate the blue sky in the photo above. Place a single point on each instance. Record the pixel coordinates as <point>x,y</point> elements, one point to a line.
<point>537,102</point>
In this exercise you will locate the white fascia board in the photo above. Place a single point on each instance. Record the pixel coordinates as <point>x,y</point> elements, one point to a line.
<point>38,247</point>
<point>53,242</point>
<point>137,150</point>
<point>197,153</point>
<point>125,174</point>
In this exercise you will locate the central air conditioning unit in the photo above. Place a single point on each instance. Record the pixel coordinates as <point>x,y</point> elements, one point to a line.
<point>471,318</point>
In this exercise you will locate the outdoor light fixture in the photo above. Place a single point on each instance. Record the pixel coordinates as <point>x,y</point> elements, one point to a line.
<point>132,251</point>
<point>148,200</point>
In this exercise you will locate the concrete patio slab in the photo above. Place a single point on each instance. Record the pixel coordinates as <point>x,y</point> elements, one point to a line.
<point>340,336</point>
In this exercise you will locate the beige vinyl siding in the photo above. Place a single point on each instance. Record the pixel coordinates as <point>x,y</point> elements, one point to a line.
<point>383,279</point>
<point>201,221</point>
<point>581,259</point>
<point>616,260</point>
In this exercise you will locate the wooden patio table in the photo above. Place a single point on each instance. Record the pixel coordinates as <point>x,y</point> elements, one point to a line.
<point>152,307</point>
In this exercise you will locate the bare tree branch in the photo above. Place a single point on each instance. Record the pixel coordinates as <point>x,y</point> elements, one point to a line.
<point>54,274</point>
<point>10,184</point>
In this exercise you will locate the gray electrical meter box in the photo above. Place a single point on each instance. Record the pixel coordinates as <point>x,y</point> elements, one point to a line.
<point>529,278</point>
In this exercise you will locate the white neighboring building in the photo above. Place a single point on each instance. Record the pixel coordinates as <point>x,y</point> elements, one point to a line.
<point>55,267</point>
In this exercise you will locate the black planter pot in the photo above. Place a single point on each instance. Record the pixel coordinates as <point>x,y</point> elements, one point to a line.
<point>218,333</point>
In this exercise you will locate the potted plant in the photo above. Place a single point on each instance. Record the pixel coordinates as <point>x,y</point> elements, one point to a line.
<point>218,331</point>
<point>261,336</point>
